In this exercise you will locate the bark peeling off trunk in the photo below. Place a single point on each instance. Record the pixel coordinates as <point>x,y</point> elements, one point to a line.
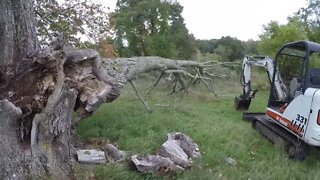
<point>84,70</point>
<point>50,132</point>
<point>50,139</point>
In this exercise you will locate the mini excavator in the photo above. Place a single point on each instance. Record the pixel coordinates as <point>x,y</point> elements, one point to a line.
<point>293,110</point>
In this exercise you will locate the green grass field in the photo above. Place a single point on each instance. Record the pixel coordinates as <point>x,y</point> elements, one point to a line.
<point>211,122</point>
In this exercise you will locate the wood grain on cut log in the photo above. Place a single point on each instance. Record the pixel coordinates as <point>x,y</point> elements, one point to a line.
<point>155,164</point>
<point>91,156</point>
<point>186,143</point>
<point>177,151</point>
<point>173,151</point>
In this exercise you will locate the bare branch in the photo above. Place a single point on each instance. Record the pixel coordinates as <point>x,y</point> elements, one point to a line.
<point>132,67</point>
<point>174,87</point>
<point>216,75</point>
<point>186,73</point>
<point>138,95</point>
<point>155,84</point>
<point>181,82</point>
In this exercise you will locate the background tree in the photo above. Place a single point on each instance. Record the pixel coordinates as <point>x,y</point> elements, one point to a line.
<point>250,47</point>
<point>275,35</point>
<point>310,15</point>
<point>226,48</point>
<point>232,47</point>
<point>75,19</point>
<point>206,46</point>
<point>155,27</point>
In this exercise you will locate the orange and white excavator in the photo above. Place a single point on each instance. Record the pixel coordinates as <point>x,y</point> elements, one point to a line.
<point>293,110</point>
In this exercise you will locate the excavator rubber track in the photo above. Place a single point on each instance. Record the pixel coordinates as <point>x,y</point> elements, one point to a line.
<point>280,136</point>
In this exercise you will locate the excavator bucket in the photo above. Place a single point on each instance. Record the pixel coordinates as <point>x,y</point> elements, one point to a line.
<point>241,103</point>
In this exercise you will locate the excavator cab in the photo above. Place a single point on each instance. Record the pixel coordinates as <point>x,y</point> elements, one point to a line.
<point>298,67</point>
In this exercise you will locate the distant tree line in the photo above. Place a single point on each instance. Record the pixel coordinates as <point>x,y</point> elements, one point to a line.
<point>157,28</point>
<point>227,48</point>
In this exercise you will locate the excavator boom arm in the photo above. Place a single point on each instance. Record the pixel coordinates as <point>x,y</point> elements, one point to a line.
<point>243,101</point>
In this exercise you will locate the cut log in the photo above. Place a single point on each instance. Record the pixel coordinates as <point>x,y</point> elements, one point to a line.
<point>174,155</point>
<point>113,154</point>
<point>186,143</point>
<point>91,156</point>
<point>154,163</point>
<point>173,151</point>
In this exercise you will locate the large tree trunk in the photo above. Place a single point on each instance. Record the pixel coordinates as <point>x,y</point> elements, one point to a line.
<point>12,157</point>
<point>17,42</point>
<point>34,140</point>
<point>17,30</point>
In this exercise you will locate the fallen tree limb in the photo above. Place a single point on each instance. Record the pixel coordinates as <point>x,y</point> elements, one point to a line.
<point>140,98</point>
<point>178,72</point>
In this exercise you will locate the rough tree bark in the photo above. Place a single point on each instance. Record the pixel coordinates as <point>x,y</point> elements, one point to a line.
<point>17,41</point>
<point>40,90</point>
<point>17,31</point>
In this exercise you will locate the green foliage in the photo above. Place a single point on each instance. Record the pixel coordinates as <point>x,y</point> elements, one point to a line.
<point>315,60</point>
<point>275,35</point>
<point>206,46</point>
<point>310,15</point>
<point>228,48</point>
<point>103,46</point>
<point>73,18</point>
<point>232,46</point>
<point>211,57</point>
<point>152,27</point>
<point>250,47</point>
<point>223,51</point>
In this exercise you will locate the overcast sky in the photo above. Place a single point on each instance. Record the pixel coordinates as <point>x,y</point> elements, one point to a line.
<point>209,19</point>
